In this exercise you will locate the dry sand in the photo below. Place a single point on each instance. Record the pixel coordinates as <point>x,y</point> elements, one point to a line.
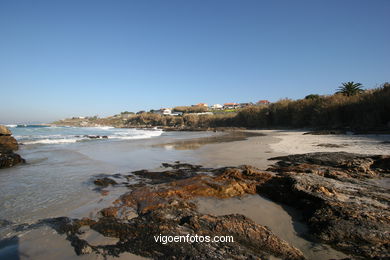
<point>257,150</point>
<point>295,142</point>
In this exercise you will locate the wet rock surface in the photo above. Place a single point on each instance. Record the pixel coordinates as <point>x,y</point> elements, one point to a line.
<point>104,182</point>
<point>342,204</point>
<point>163,205</point>
<point>8,145</point>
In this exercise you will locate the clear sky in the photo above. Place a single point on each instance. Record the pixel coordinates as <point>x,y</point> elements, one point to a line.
<point>75,58</point>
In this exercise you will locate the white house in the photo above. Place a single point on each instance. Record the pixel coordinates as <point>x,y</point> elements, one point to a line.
<point>217,106</point>
<point>165,111</point>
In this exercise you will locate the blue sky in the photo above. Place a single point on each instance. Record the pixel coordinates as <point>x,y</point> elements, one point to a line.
<point>72,58</point>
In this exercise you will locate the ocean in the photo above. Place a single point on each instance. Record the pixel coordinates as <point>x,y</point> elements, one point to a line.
<point>41,134</point>
<point>62,162</point>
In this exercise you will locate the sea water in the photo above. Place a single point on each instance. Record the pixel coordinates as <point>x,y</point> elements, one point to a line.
<point>62,162</point>
<point>41,134</point>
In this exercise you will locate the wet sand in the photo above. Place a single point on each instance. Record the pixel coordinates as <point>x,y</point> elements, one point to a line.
<point>251,147</point>
<point>283,221</point>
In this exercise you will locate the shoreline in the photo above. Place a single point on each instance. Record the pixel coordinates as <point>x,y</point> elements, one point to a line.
<point>227,149</point>
<point>308,130</point>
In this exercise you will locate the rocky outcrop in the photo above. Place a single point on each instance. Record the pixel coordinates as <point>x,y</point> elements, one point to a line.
<point>163,206</point>
<point>8,144</point>
<point>340,198</point>
<point>4,131</point>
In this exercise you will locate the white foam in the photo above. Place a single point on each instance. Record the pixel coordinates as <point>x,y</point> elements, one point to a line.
<point>11,126</point>
<point>103,127</point>
<point>126,134</point>
<point>145,134</point>
<point>52,141</point>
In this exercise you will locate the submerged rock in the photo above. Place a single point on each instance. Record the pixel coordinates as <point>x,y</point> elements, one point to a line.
<point>96,136</point>
<point>9,159</point>
<point>104,182</point>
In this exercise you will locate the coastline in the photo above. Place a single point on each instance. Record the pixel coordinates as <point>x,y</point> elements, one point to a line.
<point>220,150</point>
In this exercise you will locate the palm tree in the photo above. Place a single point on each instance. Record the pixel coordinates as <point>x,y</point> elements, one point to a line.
<point>350,88</point>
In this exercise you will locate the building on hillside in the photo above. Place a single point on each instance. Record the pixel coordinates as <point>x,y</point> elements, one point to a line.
<point>246,104</point>
<point>217,106</point>
<point>231,105</point>
<point>176,113</point>
<point>263,102</point>
<point>165,111</point>
<point>201,105</point>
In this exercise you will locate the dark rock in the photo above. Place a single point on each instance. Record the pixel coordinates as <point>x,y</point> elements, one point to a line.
<point>332,145</point>
<point>335,163</point>
<point>326,132</point>
<point>179,171</point>
<point>178,165</point>
<point>166,209</point>
<point>104,182</point>
<point>96,136</point>
<point>8,144</point>
<point>9,159</point>
<point>342,206</point>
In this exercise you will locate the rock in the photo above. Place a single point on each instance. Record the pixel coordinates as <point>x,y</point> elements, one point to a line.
<point>338,194</point>
<point>335,163</point>
<point>4,131</point>
<point>8,144</point>
<point>165,209</point>
<point>9,159</point>
<point>96,136</point>
<point>104,182</point>
<point>178,165</point>
<point>332,145</point>
<point>326,132</point>
<point>340,202</point>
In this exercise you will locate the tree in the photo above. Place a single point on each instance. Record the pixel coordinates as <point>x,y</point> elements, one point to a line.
<point>312,96</point>
<point>350,88</point>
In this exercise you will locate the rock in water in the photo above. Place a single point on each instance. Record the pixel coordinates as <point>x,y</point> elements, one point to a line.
<point>4,131</point>
<point>8,144</point>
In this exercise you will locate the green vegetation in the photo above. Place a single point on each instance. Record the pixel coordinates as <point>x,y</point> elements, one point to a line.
<point>312,96</point>
<point>127,113</point>
<point>368,110</point>
<point>349,108</point>
<point>190,109</point>
<point>350,89</point>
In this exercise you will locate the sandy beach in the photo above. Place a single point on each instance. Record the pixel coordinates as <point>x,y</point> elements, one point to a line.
<point>210,150</point>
